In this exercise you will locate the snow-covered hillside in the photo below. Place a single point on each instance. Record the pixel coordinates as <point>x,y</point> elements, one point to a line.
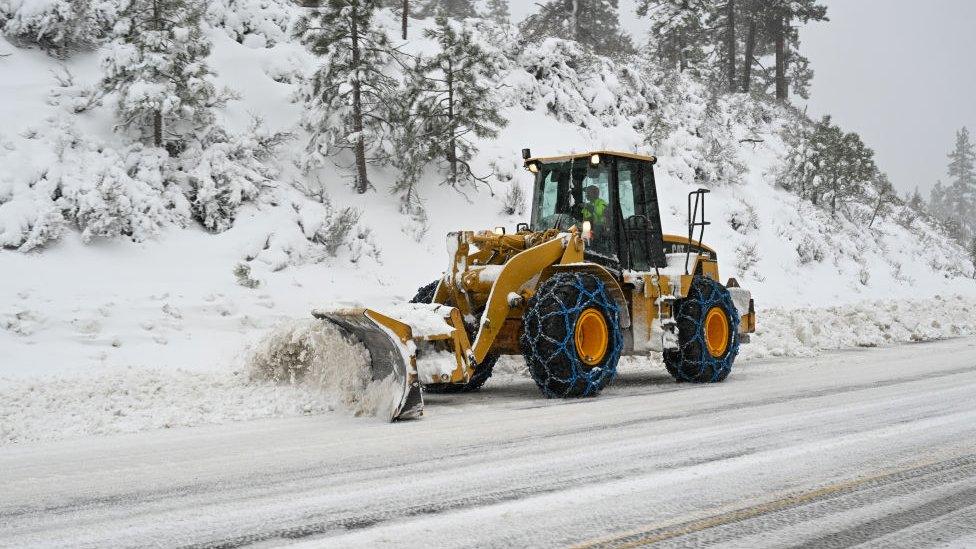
<point>176,296</point>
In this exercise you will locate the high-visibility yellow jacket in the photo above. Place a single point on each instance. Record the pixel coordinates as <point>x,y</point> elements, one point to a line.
<point>593,211</point>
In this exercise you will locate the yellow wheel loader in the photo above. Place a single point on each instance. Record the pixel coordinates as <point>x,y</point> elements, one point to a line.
<point>589,279</point>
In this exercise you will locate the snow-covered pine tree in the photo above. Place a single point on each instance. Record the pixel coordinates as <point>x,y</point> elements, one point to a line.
<point>593,23</point>
<point>57,26</point>
<point>455,9</point>
<point>678,31</point>
<point>456,101</point>
<point>960,195</point>
<point>719,150</point>
<point>349,96</point>
<point>156,63</point>
<point>499,12</point>
<point>823,163</point>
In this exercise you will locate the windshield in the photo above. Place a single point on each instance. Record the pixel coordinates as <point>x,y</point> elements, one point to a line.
<point>569,193</point>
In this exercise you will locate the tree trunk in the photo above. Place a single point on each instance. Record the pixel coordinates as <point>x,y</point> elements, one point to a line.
<point>452,146</point>
<point>877,209</point>
<point>750,53</point>
<point>782,90</point>
<point>406,14</point>
<point>574,20</point>
<point>158,128</point>
<point>682,60</point>
<point>362,183</point>
<point>157,114</point>
<point>730,42</point>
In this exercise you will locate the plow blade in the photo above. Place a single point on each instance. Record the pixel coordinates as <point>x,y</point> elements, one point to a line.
<point>392,354</point>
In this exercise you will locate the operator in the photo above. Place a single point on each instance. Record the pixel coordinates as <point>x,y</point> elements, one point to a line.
<point>595,208</point>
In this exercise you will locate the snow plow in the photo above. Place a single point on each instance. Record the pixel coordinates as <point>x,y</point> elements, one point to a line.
<point>592,277</point>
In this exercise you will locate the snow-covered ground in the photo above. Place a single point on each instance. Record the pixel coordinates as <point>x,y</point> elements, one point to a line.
<point>113,336</point>
<point>869,446</point>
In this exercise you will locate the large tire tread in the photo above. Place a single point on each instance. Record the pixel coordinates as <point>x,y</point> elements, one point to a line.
<point>691,361</point>
<point>547,336</point>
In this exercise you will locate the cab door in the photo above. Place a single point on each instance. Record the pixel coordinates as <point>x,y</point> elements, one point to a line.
<point>640,242</point>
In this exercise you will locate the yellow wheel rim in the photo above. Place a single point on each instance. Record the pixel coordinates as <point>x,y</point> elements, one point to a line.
<point>592,337</point>
<point>717,332</point>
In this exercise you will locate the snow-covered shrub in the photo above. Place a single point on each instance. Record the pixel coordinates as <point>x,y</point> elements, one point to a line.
<point>718,150</point>
<point>747,255</point>
<point>29,222</point>
<point>242,272</point>
<point>103,199</point>
<point>74,98</point>
<point>331,231</point>
<point>514,201</point>
<point>743,219</point>
<point>256,23</point>
<point>809,250</point>
<point>57,26</point>
<point>81,183</point>
<point>229,171</point>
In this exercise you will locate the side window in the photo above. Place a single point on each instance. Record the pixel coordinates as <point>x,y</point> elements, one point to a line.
<point>550,193</point>
<point>627,202</point>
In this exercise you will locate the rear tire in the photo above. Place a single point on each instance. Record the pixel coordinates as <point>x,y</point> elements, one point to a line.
<point>562,362</point>
<point>425,294</point>
<point>708,334</point>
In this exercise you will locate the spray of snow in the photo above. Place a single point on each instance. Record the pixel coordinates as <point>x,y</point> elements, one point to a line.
<point>318,354</point>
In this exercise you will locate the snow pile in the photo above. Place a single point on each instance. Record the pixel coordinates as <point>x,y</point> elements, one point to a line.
<point>129,400</point>
<point>317,354</point>
<point>806,331</point>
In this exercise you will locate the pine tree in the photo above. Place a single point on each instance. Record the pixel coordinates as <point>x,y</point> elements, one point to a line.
<point>824,163</point>
<point>455,102</point>
<point>678,30</point>
<point>961,193</point>
<point>350,93</point>
<point>456,9</point>
<point>498,11</point>
<point>593,23</point>
<point>156,64</point>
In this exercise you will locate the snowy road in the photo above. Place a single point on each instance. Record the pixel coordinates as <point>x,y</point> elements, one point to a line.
<point>874,446</point>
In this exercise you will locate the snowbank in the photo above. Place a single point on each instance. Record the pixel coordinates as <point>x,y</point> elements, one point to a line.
<point>306,368</point>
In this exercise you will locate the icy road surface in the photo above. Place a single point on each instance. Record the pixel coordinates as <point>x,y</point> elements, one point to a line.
<point>874,446</point>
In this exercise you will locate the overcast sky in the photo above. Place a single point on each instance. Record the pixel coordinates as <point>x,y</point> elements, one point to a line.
<point>899,72</point>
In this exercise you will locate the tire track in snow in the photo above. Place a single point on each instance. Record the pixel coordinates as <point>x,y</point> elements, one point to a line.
<point>726,526</point>
<point>276,479</point>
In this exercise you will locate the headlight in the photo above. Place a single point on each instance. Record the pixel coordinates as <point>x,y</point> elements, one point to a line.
<point>500,231</point>
<point>595,160</point>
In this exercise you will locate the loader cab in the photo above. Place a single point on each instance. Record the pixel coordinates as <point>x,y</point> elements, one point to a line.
<point>611,196</point>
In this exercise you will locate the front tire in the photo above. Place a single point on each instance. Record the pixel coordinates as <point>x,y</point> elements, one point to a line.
<point>571,336</point>
<point>708,334</point>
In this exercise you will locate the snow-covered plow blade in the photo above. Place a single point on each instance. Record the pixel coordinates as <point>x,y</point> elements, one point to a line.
<point>398,341</point>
